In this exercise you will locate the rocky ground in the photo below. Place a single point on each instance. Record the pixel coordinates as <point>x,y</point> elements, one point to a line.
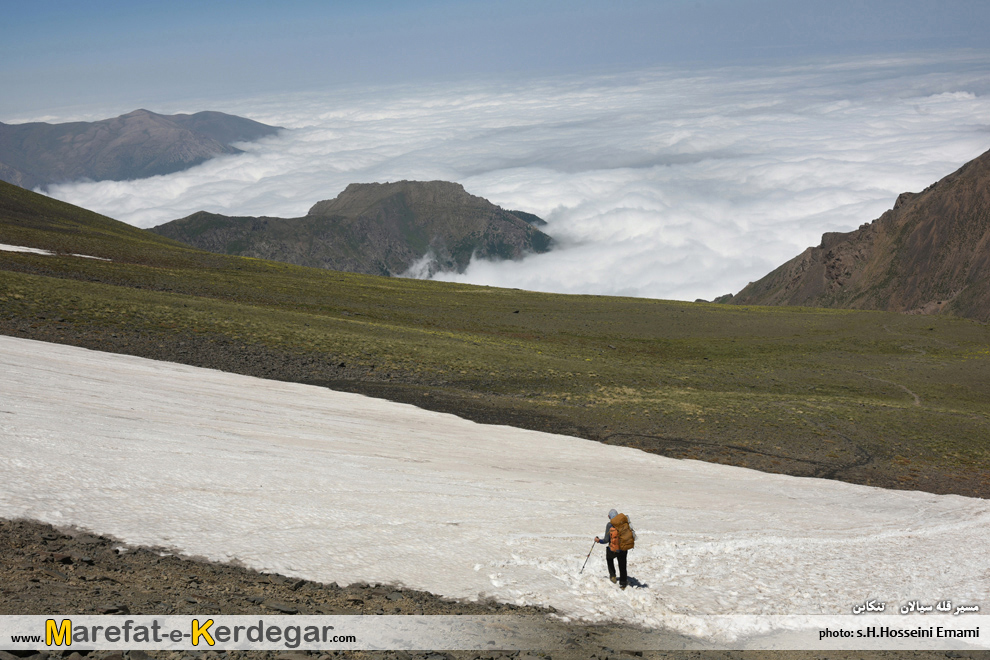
<point>45,570</point>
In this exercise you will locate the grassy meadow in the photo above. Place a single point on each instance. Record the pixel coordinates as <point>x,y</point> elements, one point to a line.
<point>869,397</point>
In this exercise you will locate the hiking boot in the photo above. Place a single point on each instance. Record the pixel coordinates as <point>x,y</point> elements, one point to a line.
<point>623,586</point>
<point>613,579</point>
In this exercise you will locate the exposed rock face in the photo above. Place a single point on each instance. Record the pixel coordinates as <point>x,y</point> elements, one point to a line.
<point>133,146</point>
<point>929,254</point>
<point>396,228</point>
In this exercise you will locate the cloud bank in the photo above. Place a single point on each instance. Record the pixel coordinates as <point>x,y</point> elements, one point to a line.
<point>664,183</point>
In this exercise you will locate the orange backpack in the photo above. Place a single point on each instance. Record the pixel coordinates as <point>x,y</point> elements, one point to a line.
<point>620,534</point>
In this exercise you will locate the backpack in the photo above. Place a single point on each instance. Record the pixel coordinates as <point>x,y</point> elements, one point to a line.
<point>621,535</point>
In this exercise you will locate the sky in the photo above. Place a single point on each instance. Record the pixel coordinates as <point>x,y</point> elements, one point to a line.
<point>678,149</point>
<point>234,468</point>
<point>60,53</point>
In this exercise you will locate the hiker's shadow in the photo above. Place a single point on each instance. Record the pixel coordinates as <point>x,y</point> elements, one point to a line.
<point>633,582</point>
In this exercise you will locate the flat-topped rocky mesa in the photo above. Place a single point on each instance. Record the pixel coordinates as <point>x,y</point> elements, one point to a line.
<point>405,227</point>
<point>137,145</point>
<point>929,254</point>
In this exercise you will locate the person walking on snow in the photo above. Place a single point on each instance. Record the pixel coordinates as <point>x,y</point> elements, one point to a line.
<point>620,538</point>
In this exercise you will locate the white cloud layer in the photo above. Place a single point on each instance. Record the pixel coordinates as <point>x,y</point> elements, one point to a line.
<point>663,183</point>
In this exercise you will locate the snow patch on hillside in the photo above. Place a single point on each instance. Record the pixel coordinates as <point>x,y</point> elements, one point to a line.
<point>339,487</point>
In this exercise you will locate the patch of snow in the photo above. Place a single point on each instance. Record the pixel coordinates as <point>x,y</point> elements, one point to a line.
<point>21,248</point>
<point>331,486</point>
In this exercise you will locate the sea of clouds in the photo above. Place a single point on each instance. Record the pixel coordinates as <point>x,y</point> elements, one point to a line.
<point>664,183</point>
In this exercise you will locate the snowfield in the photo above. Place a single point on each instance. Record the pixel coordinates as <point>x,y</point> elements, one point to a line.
<point>339,487</point>
<point>20,248</point>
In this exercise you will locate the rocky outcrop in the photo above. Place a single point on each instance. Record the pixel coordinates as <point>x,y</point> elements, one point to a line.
<point>137,145</point>
<point>406,227</point>
<point>929,254</point>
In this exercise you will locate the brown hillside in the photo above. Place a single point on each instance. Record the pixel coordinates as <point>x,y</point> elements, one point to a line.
<point>929,254</point>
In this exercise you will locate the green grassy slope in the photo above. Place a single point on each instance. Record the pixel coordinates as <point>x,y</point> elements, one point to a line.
<point>868,397</point>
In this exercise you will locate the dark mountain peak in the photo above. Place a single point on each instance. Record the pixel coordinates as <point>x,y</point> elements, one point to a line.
<point>225,129</point>
<point>135,145</point>
<point>137,120</point>
<point>378,228</point>
<point>930,253</point>
<point>358,197</point>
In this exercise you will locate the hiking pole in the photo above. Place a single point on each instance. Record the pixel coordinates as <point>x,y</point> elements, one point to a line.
<point>588,557</point>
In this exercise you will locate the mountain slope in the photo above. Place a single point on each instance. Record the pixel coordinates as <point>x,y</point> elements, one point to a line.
<point>882,399</point>
<point>375,228</point>
<point>929,254</point>
<point>32,220</point>
<point>137,145</point>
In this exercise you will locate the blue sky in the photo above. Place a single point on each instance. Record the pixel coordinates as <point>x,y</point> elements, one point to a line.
<point>56,54</point>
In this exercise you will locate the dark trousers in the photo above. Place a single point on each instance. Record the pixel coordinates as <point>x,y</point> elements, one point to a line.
<point>610,557</point>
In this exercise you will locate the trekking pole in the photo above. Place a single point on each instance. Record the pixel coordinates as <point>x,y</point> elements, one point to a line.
<point>588,557</point>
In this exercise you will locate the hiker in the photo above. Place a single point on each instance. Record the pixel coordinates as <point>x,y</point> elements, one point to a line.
<point>620,538</point>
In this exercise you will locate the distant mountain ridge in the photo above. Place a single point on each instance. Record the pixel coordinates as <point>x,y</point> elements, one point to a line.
<point>137,145</point>
<point>396,228</point>
<point>929,254</point>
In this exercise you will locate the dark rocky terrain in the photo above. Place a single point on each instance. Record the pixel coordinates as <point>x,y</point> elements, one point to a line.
<point>47,570</point>
<point>929,254</point>
<point>137,145</point>
<point>374,228</point>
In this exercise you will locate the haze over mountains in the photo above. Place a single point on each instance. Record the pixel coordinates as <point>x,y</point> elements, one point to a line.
<point>673,184</point>
<point>136,145</point>
<point>412,227</point>
<point>928,254</point>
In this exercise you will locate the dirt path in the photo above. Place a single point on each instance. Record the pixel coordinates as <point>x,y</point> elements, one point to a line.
<point>917,399</point>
